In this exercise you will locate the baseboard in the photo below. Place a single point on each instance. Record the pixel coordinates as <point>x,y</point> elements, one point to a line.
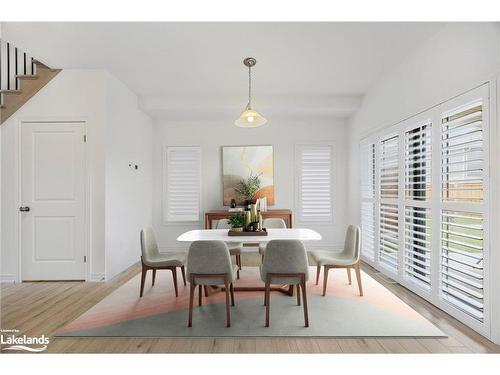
<point>7,278</point>
<point>97,276</point>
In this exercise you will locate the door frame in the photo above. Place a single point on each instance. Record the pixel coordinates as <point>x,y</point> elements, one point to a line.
<point>87,195</point>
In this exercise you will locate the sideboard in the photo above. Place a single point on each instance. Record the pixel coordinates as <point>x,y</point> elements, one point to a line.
<point>286,215</point>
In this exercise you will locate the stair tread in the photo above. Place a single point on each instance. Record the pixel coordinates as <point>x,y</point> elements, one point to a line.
<point>15,92</point>
<point>27,76</point>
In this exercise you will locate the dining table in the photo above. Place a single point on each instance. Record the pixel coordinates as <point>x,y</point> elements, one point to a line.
<point>300,234</point>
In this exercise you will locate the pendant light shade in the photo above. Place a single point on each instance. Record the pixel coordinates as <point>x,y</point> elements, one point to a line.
<point>250,118</point>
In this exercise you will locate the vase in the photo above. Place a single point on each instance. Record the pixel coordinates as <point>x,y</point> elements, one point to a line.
<point>237,229</point>
<point>253,213</point>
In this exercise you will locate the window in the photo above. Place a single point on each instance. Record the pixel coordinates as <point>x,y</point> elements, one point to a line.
<point>315,183</point>
<point>367,157</point>
<point>462,154</point>
<point>417,216</point>
<point>182,184</point>
<point>389,209</point>
<point>424,195</point>
<point>463,163</point>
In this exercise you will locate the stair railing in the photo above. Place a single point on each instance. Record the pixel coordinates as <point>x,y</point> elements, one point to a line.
<point>13,62</point>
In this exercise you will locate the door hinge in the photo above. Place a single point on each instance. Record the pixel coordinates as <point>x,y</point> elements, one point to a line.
<point>85,138</point>
<point>84,259</point>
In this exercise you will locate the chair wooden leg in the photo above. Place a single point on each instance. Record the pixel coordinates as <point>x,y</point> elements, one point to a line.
<point>304,295</point>
<point>358,278</point>
<point>199,294</point>
<point>143,279</point>
<point>231,289</point>
<point>348,269</point>
<point>238,273</point>
<point>325,279</point>
<point>298,294</point>
<point>191,298</point>
<point>183,272</point>
<point>239,261</point>
<point>174,276</point>
<point>268,302</point>
<point>154,277</point>
<point>228,310</point>
<point>318,271</point>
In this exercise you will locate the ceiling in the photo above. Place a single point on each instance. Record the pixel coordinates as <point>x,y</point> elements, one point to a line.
<point>189,63</point>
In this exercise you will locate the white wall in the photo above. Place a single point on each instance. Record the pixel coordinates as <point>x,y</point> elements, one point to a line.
<point>128,191</point>
<point>458,58</point>
<point>117,133</point>
<point>282,134</point>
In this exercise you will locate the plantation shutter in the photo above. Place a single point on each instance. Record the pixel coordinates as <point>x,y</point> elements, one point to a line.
<point>418,163</point>
<point>389,168</point>
<point>315,196</point>
<point>463,164</point>
<point>462,269</point>
<point>183,181</point>
<point>388,244</point>
<point>367,157</point>
<point>462,150</point>
<point>417,256</point>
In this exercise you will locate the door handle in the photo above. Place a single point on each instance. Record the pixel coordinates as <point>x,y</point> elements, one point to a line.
<point>24,209</point>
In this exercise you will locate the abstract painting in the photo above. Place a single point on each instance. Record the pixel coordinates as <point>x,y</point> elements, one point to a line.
<point>239,162</point>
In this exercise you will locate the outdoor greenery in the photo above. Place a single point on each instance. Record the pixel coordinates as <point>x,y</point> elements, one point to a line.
<point>249,187</point>
<point>236,221</point>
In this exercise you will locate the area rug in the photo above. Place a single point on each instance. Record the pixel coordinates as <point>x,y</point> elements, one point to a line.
<point>341,313</point>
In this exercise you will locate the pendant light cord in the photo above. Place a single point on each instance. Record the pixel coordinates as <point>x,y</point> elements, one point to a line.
<point>249,87</point>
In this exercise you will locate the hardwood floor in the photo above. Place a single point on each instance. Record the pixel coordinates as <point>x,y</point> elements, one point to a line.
<point>38,308</point>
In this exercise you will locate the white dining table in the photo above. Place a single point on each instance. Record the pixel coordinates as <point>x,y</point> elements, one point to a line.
<point>301,234</point>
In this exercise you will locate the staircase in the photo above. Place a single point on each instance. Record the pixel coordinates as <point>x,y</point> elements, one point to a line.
<point>21,77</point>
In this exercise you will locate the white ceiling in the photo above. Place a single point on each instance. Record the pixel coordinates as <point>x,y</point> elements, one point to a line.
<point>197,61</point>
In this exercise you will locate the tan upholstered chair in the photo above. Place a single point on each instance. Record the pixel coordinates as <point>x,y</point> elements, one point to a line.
<point>285,263</point>
<point>347,258</point>
<point>152,259</point>
<point>273,223</point>
<point>234,247</point>
<point>209,263</point>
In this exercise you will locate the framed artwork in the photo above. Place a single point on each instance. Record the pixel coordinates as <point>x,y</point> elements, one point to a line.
<point>239,162</point>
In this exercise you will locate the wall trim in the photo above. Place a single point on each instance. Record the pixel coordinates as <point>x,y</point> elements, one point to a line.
<point>8,278</point>
<point>98,276</point>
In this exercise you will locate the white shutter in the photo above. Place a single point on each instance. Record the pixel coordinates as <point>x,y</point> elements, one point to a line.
<point>462,162</point>
<point>418,163</point>
<point>417,255</point>
<point>388,244</point>
<point>367,157</point>
<point>315,183</point>
<point>462,277</point>
<point>389,167</point>
<point>183,183</point>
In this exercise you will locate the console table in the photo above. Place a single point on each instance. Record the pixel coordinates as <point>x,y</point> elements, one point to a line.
<point>224,214</point>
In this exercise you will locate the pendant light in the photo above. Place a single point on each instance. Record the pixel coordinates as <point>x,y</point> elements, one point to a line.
<point>250,118</point>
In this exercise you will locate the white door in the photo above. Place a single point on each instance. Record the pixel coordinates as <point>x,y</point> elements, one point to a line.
<point>53,201</point>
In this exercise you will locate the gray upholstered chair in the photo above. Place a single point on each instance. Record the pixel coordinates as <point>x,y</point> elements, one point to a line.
<point>347,258</point>
<point>285,263</point>
<point>209,263</point>
<point>152,259</point>
<point>234,247</point>
<point>274,223</point>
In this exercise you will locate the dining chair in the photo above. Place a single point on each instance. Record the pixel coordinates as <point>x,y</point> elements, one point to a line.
<point>348,258</point>
<point>235,248</point>
<point>152,259</point>
<point>274,223</point>
<point>209,263</point>
<point>285,263</point>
